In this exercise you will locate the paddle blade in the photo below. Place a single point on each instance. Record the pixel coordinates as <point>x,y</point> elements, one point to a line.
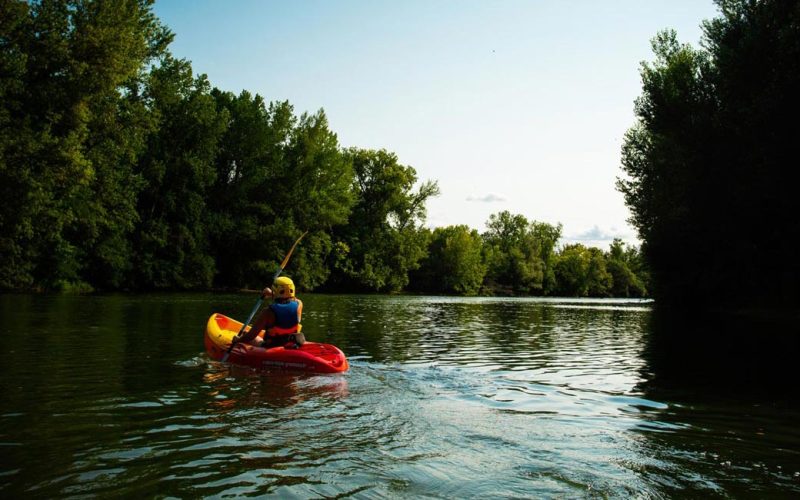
<point>286,259</point>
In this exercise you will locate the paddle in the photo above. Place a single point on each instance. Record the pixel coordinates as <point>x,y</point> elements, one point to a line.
<point>261,298</point>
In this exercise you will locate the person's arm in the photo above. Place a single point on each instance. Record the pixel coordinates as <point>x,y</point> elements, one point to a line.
<point>299,310</point>
<point>263,321</point>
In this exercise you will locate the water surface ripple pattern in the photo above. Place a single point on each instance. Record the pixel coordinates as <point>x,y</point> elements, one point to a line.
<point>446,397</point>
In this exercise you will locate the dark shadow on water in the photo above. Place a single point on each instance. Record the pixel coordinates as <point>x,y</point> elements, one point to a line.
<point>730,385</point>
<point>726,355</point>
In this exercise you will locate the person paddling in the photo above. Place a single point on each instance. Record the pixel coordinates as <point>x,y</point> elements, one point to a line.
<point>280,320</point>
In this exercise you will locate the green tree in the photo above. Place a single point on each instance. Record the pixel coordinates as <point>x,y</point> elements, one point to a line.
<point>240,206</point>
<point>69,136</point>
<point>277,176</point>
<point>178,166</point>
<point>519,253</point>
<point>710,155</point>
<point>512,254</point>
<point>312,191</point>
<point>636,263</point>
<point>621,262</point>
<point>384,239</point>
<point>18,200</point>
<point>661,155</point>
<point>599,280</point>
<point>454,263</point>
<point>118,41</point>
<point>547,235</point>
<point>582,271</point>
<point>572,271</point>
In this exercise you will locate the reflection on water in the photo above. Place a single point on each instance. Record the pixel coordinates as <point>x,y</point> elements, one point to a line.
<point>446,397</point>
<point>232,387</point>
<point>733,383</point>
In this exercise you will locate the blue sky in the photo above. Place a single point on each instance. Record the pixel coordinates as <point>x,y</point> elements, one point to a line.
<point>509,105</point>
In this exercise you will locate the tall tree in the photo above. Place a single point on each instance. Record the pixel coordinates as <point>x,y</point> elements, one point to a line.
<point>572,271</point>
<point>599,280</point>
<point>250,154</point>
<point>520,252</point>
<point>69,138</point>
<point>662,155</point>
<point>384,239</point>
<point>712,156</point>
<point>18,203</point>
<point>312,191</point>
<point>624,265</point>
<point>178,167</point>
<point>454,262</point>
<point>547,235</point>
<point>117,41</point>
<point>277,176</point>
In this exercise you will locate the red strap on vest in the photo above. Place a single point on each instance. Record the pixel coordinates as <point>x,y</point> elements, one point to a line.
<point>276,330</point>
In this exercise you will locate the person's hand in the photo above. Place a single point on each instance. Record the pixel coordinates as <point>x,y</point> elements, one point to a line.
<point>267,292</point>
<point>236,339</point>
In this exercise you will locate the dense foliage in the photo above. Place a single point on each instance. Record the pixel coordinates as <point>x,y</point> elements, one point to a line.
<point>72,127</point>
<point>711,162</point>
<point>516,256</point>
<point>122,169</point>
<point>384,239</point>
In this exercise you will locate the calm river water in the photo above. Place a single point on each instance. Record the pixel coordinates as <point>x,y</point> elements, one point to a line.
<point>446,397</point>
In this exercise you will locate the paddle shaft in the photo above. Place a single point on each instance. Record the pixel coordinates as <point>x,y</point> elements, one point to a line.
<point>261,299</point>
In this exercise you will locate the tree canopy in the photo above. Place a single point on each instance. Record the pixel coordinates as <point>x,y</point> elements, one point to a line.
<point>710,162</point>
<point>384,239</point>
<point>123,169</point>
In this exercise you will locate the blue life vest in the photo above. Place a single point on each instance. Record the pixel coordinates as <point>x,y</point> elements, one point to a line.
<point>285,317</point>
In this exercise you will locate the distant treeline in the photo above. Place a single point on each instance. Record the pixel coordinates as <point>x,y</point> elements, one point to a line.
<point>516,256</point>
<point>712,163</point>
<point>120,169</point>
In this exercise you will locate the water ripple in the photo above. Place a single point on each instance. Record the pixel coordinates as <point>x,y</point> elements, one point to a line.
<point>446,397</point>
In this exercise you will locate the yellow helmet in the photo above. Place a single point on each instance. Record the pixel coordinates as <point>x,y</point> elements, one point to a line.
<point>283,288</point>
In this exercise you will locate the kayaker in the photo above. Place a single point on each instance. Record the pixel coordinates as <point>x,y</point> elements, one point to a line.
<point>280,320</point>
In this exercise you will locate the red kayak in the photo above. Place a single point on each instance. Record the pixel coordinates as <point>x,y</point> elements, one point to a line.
<point>310,357</point>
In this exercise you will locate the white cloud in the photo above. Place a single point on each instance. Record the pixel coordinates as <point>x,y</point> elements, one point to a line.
<point>488,198</point>
<point>597,237</point>
<point>594,234</point>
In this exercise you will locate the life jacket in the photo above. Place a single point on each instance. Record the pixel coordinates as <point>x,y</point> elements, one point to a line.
<point>287,317</point>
